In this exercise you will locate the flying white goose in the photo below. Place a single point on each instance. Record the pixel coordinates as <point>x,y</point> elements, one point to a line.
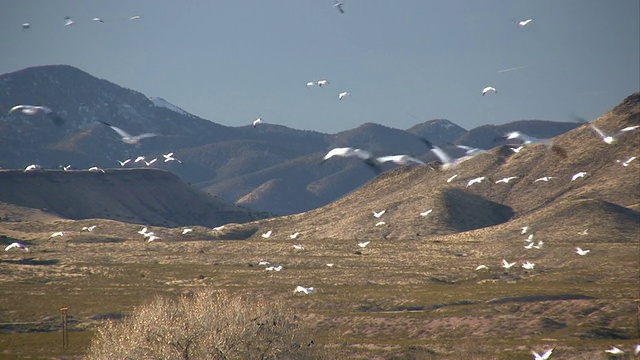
<point>581,252</point>
<point>528,266</point>
<point>488,90</point>
<point>609,139</point>
<point>169,157</point>
<point>139,158</point>
<point>263,263</point>
<point>526,140</point>
<point>525,22</point>
<point>26,25</point>
<point>399,159</point>
<point>302,289</point>
<point>516,149</point>
<point>451,178</point>
<point>477,180</point>
<point>322,82</point>
<point>123,163</point>
<point>88,228</point>
<point>135,17</point>
<point>294,235</point>
<point>151,162</point>
<point>530,245</point>
<point>298,247</point>
<point>186,231</point>
<point>380,223</point>
<point>544,178</point>
<point>343,95</point>
<point>267,234</point>
<point>310,84</point>
<point>68,21</point>
<point>615,351</point>
<point>331,265</point>
<point>626,162</point>
<point>539,246</point>
<point>256,122</point>
<point>56,234</point>
<point>339,5</point>
<point>96,169</point>
<point>274,268</point>
<point>447,161</point>
<point>128,138</point>
<point>67,168</point>
<point>97,19</point>
<point>32,167</point>
<point>36,109</point>
<point>506,264</point>
<point>544,356</point>
<point>379,213</point>
<point>361,154</point>
<point>153,238</point>
<point>578,175</point>
<point>18,245</point>
<point>470,150</point>
<point>636,350</point>
<point>426,212</point>
<point>482,267</point>
<point>524,230</point>
<point>364,244</point>
<point>143,231</point>
<point>506,180</point>
<point>218,228</point>
<point>584,232</point>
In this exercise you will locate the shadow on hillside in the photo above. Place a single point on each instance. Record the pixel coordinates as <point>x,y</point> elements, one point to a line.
<point>30,261</point>
<point>468,211</point>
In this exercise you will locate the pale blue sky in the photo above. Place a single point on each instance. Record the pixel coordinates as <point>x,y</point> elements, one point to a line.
<point>403,61</point>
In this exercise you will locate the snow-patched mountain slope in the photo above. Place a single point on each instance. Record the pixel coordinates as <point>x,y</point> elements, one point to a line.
<point>160,102</point>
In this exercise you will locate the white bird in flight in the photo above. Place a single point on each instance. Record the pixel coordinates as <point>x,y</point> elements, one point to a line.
<point>135,17</point>
<point>343,95</point>
<point>97,19</point>
<point>506,180</point>
<point>263,263</point>
<point>379,213</point>
<point>451,178</point>
<point>581,252</point>
<point>56,234</point>
<point>139,158</point>
<point>128,138</point>
<point>544,178</point>
<point>544,356</point>
<point>471,150</point>
<point>125,162</point>
<point>153,238</point>
<point>578,175</point>
<point>380,223</point>
<point>298,247</point>
<point>364,244</point>
<point>339,5</point>
<point>426,212</point>
<point>528,266</point>
<point>477,180</point>
<point>36,109</point>
<point>18,245</point>
<point>609,139</point>
<point>626,162</point>
<point>615,351</point>
<point>186,231</point>
<point>218,228</point>
<point>302,289</point>
<point>143,231</point>
<point>322,82</point>
<point>267,234</point>
<point>68,21</point>
<point>530,245</point>
<point>95,169</point>
<point>88,228</point>
<point>294,235</point>
<point>256,122</point>
<point>481,267</point>
<point>516,149</point>
<point>149,163</point>
<point>169,157</point>
<point>399,159</point>
<point>32,167</point>
<point>310,84</point>
<point>506,264</point>
<point>361,154</point>
<point>525,22</point>
<point>488,90</point>
<point>526,140</point>
<point>447,161</point>
<point>584,232</point>
<point>524,230</point>
<point>26,26</point>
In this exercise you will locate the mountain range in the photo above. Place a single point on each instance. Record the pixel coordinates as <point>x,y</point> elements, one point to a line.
<point>269,168</point>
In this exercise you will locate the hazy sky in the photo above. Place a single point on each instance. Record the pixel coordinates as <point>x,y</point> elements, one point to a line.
<point>403,61</point>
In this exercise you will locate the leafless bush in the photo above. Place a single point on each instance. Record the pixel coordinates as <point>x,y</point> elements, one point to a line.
<point>207,325</point>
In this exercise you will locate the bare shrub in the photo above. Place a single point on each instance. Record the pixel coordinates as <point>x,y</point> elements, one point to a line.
<point>206,325</point>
